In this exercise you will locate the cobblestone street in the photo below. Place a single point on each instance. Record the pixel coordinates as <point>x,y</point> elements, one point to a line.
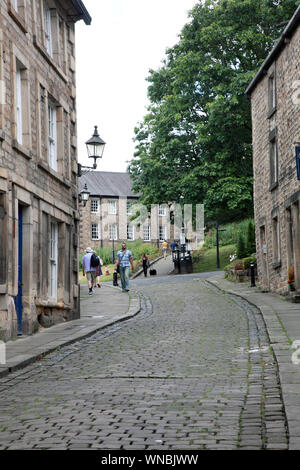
<point>193,370</point>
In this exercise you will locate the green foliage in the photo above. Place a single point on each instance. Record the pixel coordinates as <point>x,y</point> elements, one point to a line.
<point>248,260</point>
<point>206,260</point>
<point>195,140</point>
<point>241,249</point>
<point>251,245</point>
<point>230,234</point>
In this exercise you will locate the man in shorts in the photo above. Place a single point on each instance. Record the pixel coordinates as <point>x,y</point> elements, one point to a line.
<point>89,270</point>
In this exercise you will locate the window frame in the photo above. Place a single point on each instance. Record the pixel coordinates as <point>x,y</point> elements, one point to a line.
<point>52,135</point>
<point>130,232</point>
<point>148,229</point>
<point>274,159</point>
<point>111,204</point>
<point>96,227</point>
<point>53,259</point>
<point>47,26</point>
<point>162,228</point>
<point>93,201</point>
<point>113,236</point>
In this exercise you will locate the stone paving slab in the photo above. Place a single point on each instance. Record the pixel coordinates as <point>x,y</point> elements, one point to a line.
<point>282,319</point>
<point>105,307</point>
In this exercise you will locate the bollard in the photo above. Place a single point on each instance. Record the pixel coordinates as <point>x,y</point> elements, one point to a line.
<point>252,274</point>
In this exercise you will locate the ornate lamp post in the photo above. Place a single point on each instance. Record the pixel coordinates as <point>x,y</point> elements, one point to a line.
<point>95,148</point>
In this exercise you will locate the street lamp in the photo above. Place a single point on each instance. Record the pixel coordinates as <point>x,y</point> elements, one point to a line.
<point>95,148</point>
<point>84,195</point>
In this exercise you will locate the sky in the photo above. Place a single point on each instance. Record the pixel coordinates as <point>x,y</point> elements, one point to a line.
<point>113,56</point>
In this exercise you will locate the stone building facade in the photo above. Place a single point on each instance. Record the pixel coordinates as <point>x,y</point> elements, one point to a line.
<point>38,164</point>
<point>275,106</point>
<point>105,221</point>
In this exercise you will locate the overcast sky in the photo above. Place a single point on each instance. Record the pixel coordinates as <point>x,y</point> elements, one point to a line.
<point>113,56</point>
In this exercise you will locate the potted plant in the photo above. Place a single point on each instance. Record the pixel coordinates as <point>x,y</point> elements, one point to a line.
<point>291,278</point>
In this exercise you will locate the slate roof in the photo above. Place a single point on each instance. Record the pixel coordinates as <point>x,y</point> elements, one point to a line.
<point>107,183</point>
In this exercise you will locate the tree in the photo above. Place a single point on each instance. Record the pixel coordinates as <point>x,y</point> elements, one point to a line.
<point>241,250</point>
<point>251,245</point>
<point>194,143</point>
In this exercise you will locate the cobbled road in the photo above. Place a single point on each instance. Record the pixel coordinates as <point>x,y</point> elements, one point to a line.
<point>193,370</point>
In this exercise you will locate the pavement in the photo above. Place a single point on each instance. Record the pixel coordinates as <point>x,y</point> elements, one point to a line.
<point>282,320</point>
<point>109,305</point>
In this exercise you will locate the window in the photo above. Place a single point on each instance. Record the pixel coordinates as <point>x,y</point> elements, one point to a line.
<point>22,121</point>
<point>53,260</point>
<point>94,206</point>
<point>130,232</point>
<point>272,92</point>
<point>162,211</point>
<point>95,232</point>
<point>273,162</point>
<point>276,240</point>
<point>112,207</point>
<point>48,29</point>
<point>52,147</point>
<point>18,98</point>
<point>162,232</point>
<point>146,233</point>
<point>129,207</point>
<point>113,232</point>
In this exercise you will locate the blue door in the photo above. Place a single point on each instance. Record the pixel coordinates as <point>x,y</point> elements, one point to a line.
<point>18,298</point>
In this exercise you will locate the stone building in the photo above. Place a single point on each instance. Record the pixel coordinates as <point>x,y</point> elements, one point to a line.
<point>105,221</point>
<point>38,164</point>
<point>275,106</point>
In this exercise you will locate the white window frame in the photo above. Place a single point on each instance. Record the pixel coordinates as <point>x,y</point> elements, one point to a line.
<point>129,207</point>
<point>147,233</point>
<point>113,231</point>
<point>130,232</point>
<point>95,231</point>
<point>15,5</point>
<point>162,211</point>
<point>112,207</point>
<point>52,136</point>
<point>19,109</point>
<point>53,259</point>
<point>48,29</point>
<point>162,230</point>
<point>94,202</point>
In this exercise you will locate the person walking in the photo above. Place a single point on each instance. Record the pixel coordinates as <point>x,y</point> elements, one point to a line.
<point>88,269</point>
<point>145,261</point>
<point>164,247</point>
<point>124,261</point>
<point>174,246</point>
<point>98,273</point>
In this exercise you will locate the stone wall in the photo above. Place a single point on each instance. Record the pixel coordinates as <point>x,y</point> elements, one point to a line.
<point>276,203</point>
<point>43,189</point>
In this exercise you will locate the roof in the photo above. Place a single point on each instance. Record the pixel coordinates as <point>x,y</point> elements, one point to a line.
<point>287,33</point>
<point>107,183</point>
<point>79,12</point>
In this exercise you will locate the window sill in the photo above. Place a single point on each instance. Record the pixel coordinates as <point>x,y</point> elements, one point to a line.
<point>271,113</point>
<point>276,265</point>
<point>53,173</point>
<point>273,186</point>
<point>18,19</point>
<point>21,149</point>
<point>52,304</point>
<point>49,59</point>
